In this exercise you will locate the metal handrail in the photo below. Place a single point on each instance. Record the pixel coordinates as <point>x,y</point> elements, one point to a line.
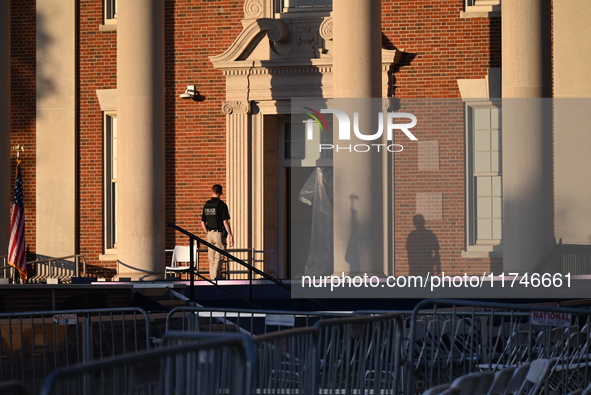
<point>77,269</point>
<point>5,265</point>
<point>250,251</point>
<point>251,258</point>
<point>193,238</point>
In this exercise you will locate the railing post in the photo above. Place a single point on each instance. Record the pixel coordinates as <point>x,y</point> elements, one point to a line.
<point>87,357</point>
<point>252,263</point>
<point>192,268</point>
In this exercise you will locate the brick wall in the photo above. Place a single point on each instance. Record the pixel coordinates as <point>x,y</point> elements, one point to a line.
<point>195,131</point>
<point>97,69</point>
<point>439,48</point>
<point>23,91</point>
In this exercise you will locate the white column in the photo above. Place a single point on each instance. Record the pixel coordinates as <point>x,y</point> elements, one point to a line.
<point>5,152</point>
<point>56,130</point>
<point>358,191</point>
<point>140,117</point>
<point>237,191</point>
<point>572,93</point>
<point>527,138</point>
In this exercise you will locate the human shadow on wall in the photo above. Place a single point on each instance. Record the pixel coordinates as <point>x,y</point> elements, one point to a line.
<point>352,255</point>
<point>422,247</point>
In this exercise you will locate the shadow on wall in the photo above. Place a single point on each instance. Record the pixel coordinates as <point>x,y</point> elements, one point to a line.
<point>352,255</point>
<point>422,248</point>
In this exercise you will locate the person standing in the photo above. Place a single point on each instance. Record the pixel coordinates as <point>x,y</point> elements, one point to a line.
<point>215,221</point>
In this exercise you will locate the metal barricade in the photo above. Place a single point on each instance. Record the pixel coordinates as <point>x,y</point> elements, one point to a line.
<point>13,388</point>
<point>244,321</point>
<point>212,366</point>
<point>7,271</point>
<point>360,355</point>
<point>61,269</point>
<point>34,344</point>
<point>287,362</point>
<point>446,339</point>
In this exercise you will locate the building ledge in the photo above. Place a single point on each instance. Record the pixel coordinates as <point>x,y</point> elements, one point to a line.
<point>480,251</point>
<point>482,11</point>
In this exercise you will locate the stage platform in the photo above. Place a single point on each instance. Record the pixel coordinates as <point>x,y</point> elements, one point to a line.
<point>255,294</point>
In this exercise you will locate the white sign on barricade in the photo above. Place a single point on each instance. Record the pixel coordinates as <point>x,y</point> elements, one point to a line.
<point>549,318</point>
<point>280,319</point>
<point>65,319</point>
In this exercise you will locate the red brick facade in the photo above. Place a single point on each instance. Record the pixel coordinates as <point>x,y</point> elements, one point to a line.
<point>440,48</point>
<point>23,91</point>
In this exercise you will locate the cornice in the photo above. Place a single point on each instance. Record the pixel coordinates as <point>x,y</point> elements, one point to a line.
<point>275,29</point>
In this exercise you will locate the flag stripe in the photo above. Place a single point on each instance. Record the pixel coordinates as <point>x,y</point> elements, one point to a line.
<point>16,245</point>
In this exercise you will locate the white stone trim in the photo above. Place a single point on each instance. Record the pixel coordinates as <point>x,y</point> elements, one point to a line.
<point>107,99</point>
<point>481,9</point>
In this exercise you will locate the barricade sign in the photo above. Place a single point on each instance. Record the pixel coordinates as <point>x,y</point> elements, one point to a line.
<point>550,318</point>
<point>280,320</point>
<point>65,319</point>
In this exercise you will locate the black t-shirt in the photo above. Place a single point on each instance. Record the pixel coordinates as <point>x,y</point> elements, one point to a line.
<point>214,213</point>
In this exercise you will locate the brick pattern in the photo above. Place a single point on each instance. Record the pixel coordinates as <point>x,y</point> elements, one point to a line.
<point>439,47</point>
<point>195,131</point>
<point>428,155</point>
<point>22,97</point>
<point>97,70</point>
<point>429,205</point>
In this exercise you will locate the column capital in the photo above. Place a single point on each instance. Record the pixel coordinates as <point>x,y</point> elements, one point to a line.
<point>236,107</point>
<point>326,28</point>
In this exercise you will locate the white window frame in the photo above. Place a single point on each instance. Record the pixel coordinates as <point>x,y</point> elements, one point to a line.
<point>476,247</point>
<point>110,182</point>
<point>481,9</point>
<point>109,16</point>
<point>294,5</point>
<point>312,155</point>
<point>110,11</point>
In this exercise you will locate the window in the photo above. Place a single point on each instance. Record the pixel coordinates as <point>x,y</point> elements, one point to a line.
<point>298,150</point>
<point>110,181</point>
<point>110,11</point>
<point>305,5</point>
<point>484,173</point>
<point>481,9</point>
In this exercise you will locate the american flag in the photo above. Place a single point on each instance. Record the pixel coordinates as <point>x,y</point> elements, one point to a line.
<point>16,246</point>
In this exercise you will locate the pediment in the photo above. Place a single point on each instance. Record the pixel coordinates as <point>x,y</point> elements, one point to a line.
<point>281,58</point>
<point>274,41</point>
<point>250,37</point>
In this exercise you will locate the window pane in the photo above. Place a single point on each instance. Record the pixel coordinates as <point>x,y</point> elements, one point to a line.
<point>482,118</point>
<point>482,140</point>
<point>495,117</point>
<point>483,186</point>
<point>295,143</point>
<point>306,3</point>
<point>482,162</point>
<point>494,140</point>
<point>484,229</point>
<point>110,9</point>
<point>496,186</point>
<point>484,207</point>
<point>495,166</point>
<point>497,207</point>
<point>497,225</point>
